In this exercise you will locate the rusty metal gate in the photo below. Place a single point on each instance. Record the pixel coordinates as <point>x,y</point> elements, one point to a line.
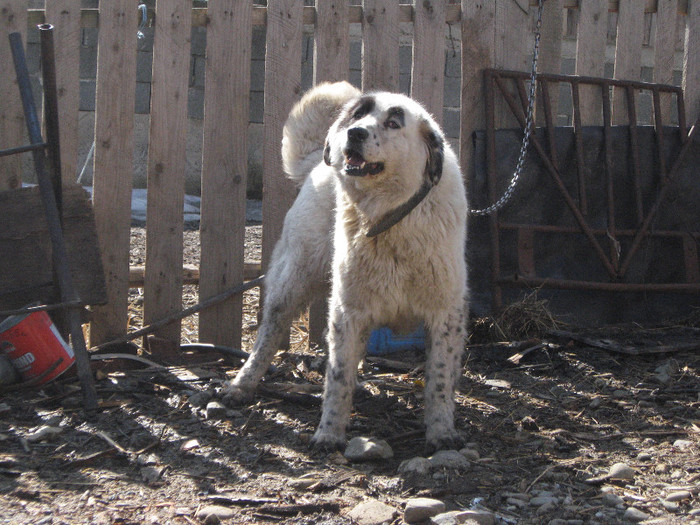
<point>616,241</point>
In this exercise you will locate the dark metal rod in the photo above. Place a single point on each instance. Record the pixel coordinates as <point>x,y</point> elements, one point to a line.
<point>556,177</point>
<point>48,72</point>
<point>566,284</point>
<point>22,149</point>
<point>609,180</point>
<point>549,121</point>
<point>634,154</point>
<point>60,257</point>
<point>551,228</point>
<point>659,129</point>
<point>491,178</point>
<point>578,136</point>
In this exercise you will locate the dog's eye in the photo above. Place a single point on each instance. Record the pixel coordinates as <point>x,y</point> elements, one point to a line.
<point>392,124</point>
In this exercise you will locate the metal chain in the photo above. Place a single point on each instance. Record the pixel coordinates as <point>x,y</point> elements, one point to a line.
<point>528,125</point>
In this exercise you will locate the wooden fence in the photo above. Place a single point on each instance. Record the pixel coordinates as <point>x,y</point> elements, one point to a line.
<point>494,33</point>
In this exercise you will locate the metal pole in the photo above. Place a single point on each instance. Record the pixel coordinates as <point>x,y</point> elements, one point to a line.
<point>60,257</point>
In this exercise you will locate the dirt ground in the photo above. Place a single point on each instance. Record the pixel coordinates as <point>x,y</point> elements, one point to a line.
<point>545,417</point>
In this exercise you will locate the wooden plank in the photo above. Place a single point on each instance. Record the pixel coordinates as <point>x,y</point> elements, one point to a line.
<point>191,275</point>
<point>628,54</point>
<point>513,50</point>
<point>25,248</point>
<point>224,168</point>
<point>478,30</point>
<point>282,90</point>
<point>331,42</point>
<point>590,56</point>
<point>13,18</point>
<point>428,70</point>
<point>550,52</point>
<point>664,50</point>
<point>691,63</point>
<point>166,164</point>
<point>380,45</point>
<point>113,161</point>
<point>64,15</point>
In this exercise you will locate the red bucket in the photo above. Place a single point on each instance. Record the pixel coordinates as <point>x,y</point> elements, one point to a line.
<point>34,346</point>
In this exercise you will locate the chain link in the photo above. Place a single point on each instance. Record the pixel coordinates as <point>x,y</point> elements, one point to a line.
<point>528,126</point>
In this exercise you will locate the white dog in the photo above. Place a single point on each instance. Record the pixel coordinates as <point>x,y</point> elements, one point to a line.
<point>382,211</point>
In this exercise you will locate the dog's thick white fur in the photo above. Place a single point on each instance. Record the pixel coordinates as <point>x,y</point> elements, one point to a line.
<point>380,150</point>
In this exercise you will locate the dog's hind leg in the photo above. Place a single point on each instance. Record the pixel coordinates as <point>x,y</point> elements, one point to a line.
<point>442,370</point>
<point>287,292</point>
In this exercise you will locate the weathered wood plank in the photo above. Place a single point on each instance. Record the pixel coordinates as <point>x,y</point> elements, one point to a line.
<point>380,45</point>
<point>628,54</point>
<point>590,56</point>
<point>691,63</point>
<point>25,248</point>
<point>331,42</point>
<point>113,161</point>
<point>550,51</point>
<point>664,50</point>
<point>224,168</point>
<point>428,69</point>
<point>13,18</point>
<point>64,15</point>
<point>478,26</point>
<point>166,164</point>
<point>282,90</point>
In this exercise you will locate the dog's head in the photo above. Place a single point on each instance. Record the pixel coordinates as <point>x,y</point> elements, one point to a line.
<point>386,136</point>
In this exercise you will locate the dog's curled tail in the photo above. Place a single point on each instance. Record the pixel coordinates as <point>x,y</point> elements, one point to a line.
<point>305,131</point>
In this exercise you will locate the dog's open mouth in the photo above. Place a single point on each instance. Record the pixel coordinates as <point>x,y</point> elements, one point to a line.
<point>357,166</point>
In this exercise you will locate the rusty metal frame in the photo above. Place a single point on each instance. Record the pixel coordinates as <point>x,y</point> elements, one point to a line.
<point>616,264</point>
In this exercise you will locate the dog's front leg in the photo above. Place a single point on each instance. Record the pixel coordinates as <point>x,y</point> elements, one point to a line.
<point>442,370</point>
<point>346,345</point>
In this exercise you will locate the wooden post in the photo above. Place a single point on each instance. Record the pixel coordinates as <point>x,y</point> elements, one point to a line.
<point>13,18</point>
<point>590,56</point>
<point>380,45</point>
<point>166,164</point>
<point>550,52</point>
<point>113,162</point>
<point>224,168</point>
<point>332,42</point>
<point>428,70</point>
<point>664,50</point>
<point>628,54</point>
<point>691,63</point>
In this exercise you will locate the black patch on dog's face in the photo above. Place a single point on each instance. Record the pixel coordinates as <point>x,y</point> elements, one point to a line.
<point>436,153</point>
<point>363,107</point>
<point>395,118</point>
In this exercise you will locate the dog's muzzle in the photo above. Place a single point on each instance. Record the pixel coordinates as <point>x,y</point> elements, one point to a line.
<point>355,164</point>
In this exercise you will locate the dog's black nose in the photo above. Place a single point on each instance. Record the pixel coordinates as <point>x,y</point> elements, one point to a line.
<point>358,134</point>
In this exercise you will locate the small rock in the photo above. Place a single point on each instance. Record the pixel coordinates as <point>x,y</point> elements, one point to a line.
<point>632,514</point>
<point>680,495</point>
<point>516,502</point>
<point>215,410</point>
<point>620,394</point>
<point>595,402</point>
<point>212,514</point>
<point>367,449</point>
<point>539,501</point>
<point>420,509</point>
<point>457,517</point>
<point>644,456</point>
<point>682,443</point>
<point>199,399</point>
<point>449,459</point>
<point>670,506</point>
<point>417,465</point>
<point>611,500</point>
<point>45,433</point>
<point>470,454</point>
<point>621,471</point>
<point>372,512</point>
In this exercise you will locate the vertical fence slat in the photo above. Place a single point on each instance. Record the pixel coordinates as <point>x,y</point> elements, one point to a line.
<point>478,26</point>
<point>590,55</point>
<point>166,164</point>
<point>428,68</point>
<point>331,42</point>
<point>65,17</point>
<point>664,49</point>
<point>691,63</point>
<point>380,45</point>
<point>628,54</point>
<point>13,19</point>
<point>113,162</point>
<point>224,167</point>
<point>282,89</point>
<point>550,52</point>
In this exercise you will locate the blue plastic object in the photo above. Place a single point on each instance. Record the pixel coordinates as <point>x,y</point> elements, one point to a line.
<point>383,341</point>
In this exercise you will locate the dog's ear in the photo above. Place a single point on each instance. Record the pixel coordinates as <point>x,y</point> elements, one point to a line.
<point>327,153</point>
<point>436,152</point>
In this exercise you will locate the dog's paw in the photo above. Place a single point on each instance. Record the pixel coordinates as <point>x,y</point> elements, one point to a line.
<point>447,441</point>
<point>327,442</point>
<point>235,396</point>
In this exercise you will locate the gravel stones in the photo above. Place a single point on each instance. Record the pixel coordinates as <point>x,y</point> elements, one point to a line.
<point>420,509</point>
<point>368,449</point>
<point>372,512</point>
